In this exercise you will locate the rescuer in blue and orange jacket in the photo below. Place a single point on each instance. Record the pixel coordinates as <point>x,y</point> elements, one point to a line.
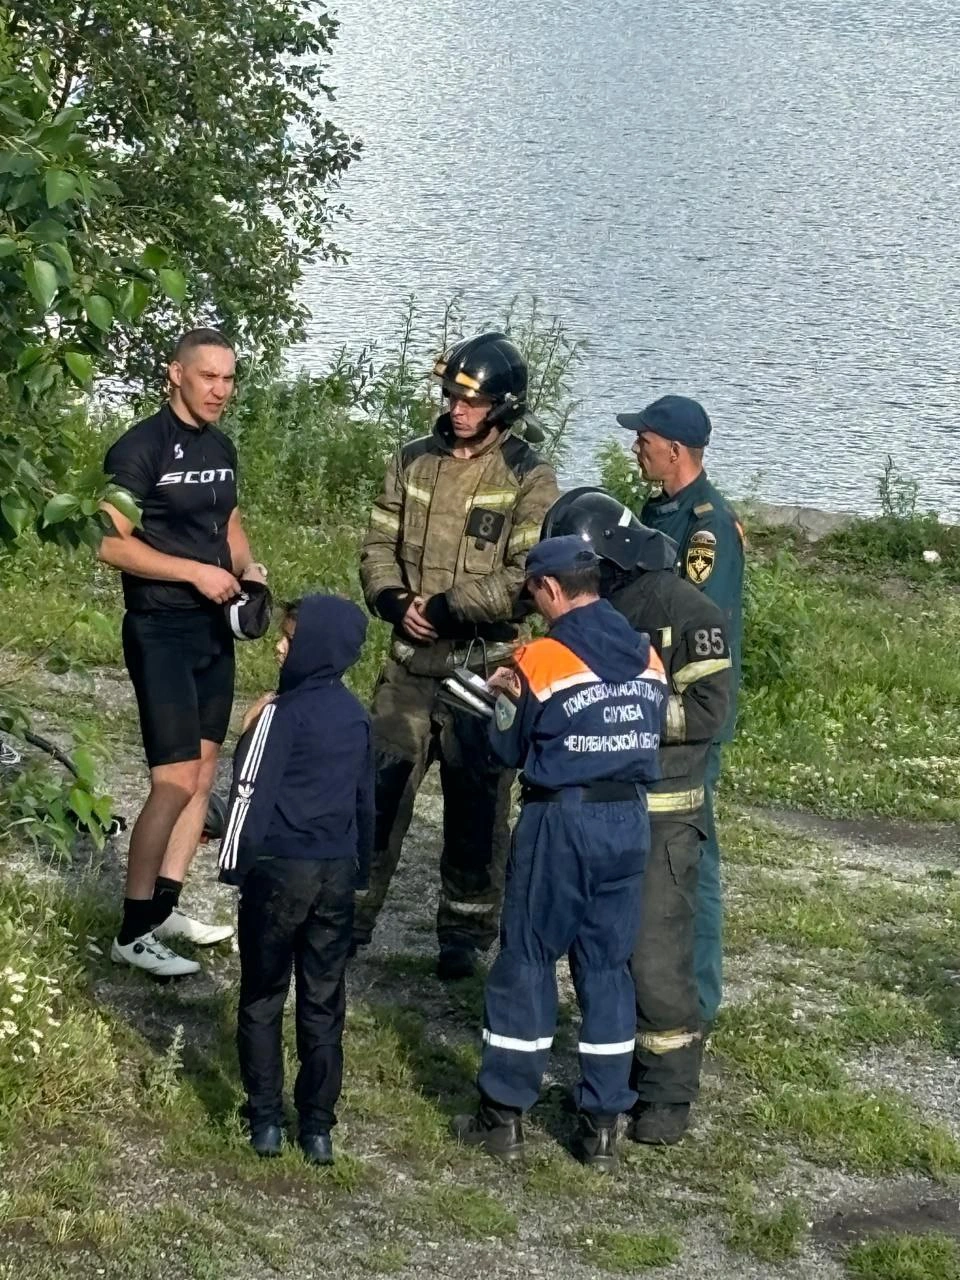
<point>581,713</point>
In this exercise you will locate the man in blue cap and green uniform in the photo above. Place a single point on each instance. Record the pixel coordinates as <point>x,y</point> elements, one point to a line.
<point>672,434</point>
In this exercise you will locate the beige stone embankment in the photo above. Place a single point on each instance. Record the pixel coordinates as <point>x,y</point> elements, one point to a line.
<point>811,521</point>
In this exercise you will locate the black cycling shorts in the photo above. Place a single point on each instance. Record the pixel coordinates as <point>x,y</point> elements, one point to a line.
<point>182,667</point>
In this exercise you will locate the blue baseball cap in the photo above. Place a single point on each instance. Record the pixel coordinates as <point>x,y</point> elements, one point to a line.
<point>559,555</point>
<point>673,417</point>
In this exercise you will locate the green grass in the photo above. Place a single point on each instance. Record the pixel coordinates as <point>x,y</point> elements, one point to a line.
<point>770,1236</point>
<point>454,1211</point>
<point>905,1257</point>
<point>384,1259</point>
<point>629,1252</point>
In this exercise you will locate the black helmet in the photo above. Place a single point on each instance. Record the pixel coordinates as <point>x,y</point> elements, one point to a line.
<point>215,822</point>
<point>610,528</point>
<point>489,366</point>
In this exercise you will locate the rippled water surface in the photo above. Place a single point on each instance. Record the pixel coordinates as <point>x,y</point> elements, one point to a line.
<point>754,202</point>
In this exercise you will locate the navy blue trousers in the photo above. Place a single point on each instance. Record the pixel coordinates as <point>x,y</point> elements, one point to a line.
<point>573,886</point>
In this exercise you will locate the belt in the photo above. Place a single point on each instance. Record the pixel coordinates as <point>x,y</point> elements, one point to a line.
<point>592,792</point>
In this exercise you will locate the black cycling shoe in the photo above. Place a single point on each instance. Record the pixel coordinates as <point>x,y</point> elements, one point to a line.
<point>597,1142</point>
<point>317,1148</point>
<point>267,1140</point>
<point>500,1133</point>
<point>455,962</point>
<point>659,1124</point>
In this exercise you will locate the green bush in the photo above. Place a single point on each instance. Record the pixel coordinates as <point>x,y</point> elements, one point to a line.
<point>56,1052</point>
<point>776,627</point>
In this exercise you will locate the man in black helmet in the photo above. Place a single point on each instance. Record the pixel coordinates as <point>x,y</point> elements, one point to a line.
<point>443,561</point>
<point>688,630</point>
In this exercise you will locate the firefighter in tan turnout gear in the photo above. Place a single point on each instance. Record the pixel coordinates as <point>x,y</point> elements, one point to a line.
<point>443,561</point>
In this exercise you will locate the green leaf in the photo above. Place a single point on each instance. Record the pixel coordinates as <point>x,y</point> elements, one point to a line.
<point>154,255</point>
<point>80,366</point>
<point>58,136</point>
<point>16,512</point>
<point>42,376</point>
<point>23,193</point>
<point>19,122</point>
<point>61,254</point>
<point>17,163</point>
<point>60,187</point>
<point>85,766</point>
<point>173,284</point>
<point>125,503</point>
<point>41,279</point>
<point>60,508</point>
<point>134,297</point>
<point>99,311</point>
<point>79,802</point>
<point>46,231</point>
<point>29,356</point>
<point>103,805</point>
<point>8,247</point>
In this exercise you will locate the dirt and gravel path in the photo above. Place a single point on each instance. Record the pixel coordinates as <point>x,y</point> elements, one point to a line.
<point>757,1191</point>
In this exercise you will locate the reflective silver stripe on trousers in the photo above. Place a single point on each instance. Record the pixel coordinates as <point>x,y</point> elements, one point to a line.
<point>666,1041</point>
<point>607,1050</point>
<point>467,908</point>
<point>520,1046</point>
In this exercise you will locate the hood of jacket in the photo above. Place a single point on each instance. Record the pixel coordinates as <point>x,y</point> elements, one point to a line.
<point>328,638</point>
<point>604,640</point>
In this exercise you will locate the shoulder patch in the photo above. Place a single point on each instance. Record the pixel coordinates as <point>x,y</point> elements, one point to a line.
<point>504,712</point>
<point>699,560</point>
<point>703,508</point>
<point>519,457</point>
<point>703,538</point>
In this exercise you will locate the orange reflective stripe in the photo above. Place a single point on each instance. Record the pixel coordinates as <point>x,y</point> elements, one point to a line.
<point>549,665</point>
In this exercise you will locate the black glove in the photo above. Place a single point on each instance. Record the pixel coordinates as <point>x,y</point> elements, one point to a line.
<point>392,604</point>
<point>438,613</point>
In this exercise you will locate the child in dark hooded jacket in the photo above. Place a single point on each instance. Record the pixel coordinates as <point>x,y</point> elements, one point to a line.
<point>298,839</point>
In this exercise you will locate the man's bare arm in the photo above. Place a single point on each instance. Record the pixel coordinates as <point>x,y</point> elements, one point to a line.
<point>121,550</point>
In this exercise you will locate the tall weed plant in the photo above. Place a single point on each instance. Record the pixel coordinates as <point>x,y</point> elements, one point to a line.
<point>56,1052</point>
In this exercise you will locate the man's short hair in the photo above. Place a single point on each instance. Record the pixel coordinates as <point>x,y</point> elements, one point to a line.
<point>696,455</point>
<point>578,582</point>
<point>291,609</point>
<point>195,338</point>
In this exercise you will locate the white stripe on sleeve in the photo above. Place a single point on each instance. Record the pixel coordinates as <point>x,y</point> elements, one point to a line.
<point>248,773</point>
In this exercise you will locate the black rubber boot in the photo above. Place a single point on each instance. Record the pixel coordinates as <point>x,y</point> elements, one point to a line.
<point>499,1132</point>
<point>317,1148</point>
<point>267,1140</point>
<point>455,962</point>
<point>660,1124</point>
<point>597,1142</point>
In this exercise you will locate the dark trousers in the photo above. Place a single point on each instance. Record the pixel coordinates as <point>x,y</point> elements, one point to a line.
<point>709,926</point>
<point>573,885</point>
<point>294,915</point>
<point>666,1066</point>
<point>412,730</point>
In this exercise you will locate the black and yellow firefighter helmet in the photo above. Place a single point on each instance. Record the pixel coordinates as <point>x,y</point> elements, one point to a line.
<point>610,529</point>
<point>487,366</point>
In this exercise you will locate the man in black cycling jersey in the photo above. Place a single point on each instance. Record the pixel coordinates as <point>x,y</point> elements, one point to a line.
<point>178,570</point>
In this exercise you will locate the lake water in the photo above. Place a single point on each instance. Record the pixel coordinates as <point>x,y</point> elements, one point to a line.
<point>754,203</point>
